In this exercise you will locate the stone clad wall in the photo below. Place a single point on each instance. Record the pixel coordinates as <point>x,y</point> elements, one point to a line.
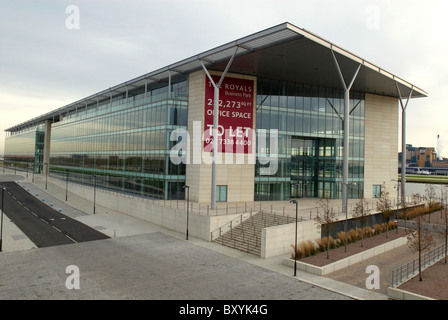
<point>381,143</point>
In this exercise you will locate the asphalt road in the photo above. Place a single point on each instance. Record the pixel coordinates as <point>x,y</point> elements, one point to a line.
<point>43,225</point>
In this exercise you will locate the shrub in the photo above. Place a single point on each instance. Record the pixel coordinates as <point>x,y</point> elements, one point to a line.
<point>324,241</point>
<point>341,236</point>
<point>332,243</point>
<point>306,248</point>
<point>368,232</point>
<point>377,229</point>
<point>300,252</point>
<point>359,233</point>
<point>392,225</point>
<point>321,244</point>
<point>313,249</point>
<point>353,235</point>
<point>349,238</point>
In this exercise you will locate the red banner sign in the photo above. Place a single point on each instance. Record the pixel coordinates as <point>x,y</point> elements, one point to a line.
<point>236,115</point>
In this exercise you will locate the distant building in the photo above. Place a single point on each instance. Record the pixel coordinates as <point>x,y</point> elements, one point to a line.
<point>422,157</point>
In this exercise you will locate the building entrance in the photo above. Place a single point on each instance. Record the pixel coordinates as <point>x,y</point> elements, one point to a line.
<point>313,168</point>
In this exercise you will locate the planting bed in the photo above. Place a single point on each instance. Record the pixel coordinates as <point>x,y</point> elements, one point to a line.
<point>352,248</point>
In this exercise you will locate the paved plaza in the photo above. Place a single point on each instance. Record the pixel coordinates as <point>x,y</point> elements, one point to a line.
<point>146,261</point>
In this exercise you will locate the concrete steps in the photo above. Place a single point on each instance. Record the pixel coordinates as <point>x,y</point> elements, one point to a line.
<point>246,236</point>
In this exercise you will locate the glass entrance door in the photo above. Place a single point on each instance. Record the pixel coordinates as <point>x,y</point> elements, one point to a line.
<point>312,168</point>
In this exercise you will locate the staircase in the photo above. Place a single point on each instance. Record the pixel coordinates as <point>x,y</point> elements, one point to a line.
<point>246,235</point>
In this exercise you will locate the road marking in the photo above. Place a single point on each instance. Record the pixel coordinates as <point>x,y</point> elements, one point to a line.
<point>20,202</point>
<point>71,239</point>
<point>26,208</point>
<point>56,229</point>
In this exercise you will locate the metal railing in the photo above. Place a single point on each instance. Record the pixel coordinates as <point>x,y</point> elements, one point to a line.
<point>406,271</point>
<point>229,226</point>
<point>248,237</point>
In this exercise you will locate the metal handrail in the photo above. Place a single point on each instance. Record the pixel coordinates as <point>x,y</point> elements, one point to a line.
<point>230,225</point>
<point>407,270</point>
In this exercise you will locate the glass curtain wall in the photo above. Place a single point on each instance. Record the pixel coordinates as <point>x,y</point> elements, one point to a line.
<point>125,143</point>
<point>24,149</point>
<point>310,126</point>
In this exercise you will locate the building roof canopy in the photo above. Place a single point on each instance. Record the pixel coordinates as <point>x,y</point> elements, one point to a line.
<point>284,52</point>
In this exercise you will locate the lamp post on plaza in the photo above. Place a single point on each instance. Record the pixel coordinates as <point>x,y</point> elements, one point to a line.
<point>94,193</point>
<point>66,184</point>
<point>1,222</point>
<point>188,206</point>
<point>295,244</point>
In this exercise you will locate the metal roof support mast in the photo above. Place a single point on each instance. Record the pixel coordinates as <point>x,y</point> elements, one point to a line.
<point>403,142</point>
<point>346,138</point>
<point>215,124</point>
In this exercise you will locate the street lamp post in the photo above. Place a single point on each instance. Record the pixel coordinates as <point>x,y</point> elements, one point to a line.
<point>94,193</point>
<point>1,223</point>
<point>66,185</point>
<point>295,245</point>
<point>188,206</point>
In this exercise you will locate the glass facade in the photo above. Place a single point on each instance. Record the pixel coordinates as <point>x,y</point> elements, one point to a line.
<point>310,126</point>
<point>24,150</point>
<point>124,141</point>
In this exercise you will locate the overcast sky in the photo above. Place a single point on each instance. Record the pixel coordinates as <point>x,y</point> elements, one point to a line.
<point>46,64</point>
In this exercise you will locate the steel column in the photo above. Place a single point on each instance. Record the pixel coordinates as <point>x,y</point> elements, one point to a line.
<point>403,141</point>
<point>346,131</point>
<point>215,124</point>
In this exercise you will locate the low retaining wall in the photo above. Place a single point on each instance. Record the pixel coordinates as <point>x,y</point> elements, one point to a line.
<point>346,262</point>
<point>277,240</point>
<point>169,217</point>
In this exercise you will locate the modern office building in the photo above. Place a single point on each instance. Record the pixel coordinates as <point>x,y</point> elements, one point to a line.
<point>311,98</point>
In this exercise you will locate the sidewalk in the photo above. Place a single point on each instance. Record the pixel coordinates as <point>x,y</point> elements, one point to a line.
<point>116,224</point>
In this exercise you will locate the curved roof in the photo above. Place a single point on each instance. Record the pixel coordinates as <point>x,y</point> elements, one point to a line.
<point>283,52</point>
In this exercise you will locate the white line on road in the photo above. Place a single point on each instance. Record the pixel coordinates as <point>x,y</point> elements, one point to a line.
<point>71,239</point>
